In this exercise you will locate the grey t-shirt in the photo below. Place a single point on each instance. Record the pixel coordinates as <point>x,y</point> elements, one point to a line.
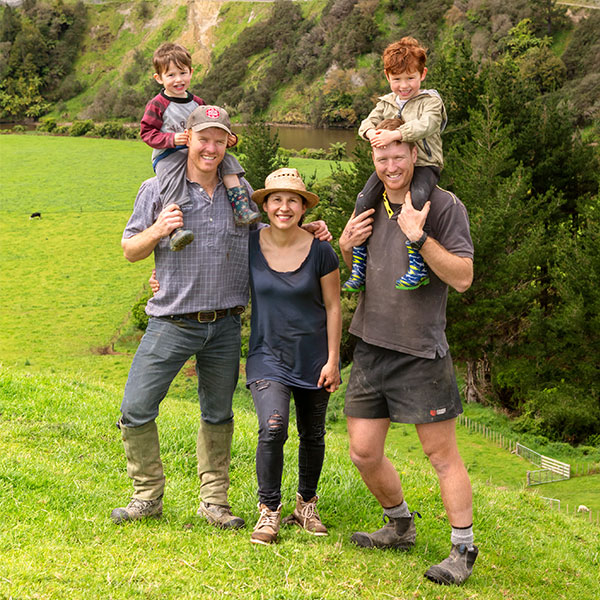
<point>409,321</point>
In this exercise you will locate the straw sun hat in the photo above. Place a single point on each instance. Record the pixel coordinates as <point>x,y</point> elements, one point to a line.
<point>285,180</point>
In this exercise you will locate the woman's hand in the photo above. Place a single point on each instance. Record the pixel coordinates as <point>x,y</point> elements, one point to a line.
<point>154,285</point>
<point>330,377</point>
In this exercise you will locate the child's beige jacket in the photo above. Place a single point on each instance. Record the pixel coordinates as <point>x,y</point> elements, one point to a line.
<point>425,119</point>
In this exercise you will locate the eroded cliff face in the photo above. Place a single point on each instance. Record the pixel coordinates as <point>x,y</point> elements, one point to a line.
<point>203,16</point>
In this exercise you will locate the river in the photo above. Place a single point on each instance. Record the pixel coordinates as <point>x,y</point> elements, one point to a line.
<point>293,138</point>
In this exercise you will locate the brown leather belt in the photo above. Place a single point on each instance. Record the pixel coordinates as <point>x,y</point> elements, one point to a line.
<point>208,316</point>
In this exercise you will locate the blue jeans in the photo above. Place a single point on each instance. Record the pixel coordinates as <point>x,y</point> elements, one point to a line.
<point>272,403</point>
<point>167,344</point>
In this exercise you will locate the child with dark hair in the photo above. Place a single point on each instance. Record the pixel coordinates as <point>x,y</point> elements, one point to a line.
<point>163,128</point>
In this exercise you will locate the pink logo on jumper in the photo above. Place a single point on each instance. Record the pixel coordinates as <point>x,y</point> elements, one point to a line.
<point>213,113</point>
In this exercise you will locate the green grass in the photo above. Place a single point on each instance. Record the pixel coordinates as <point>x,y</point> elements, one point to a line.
<point>64,289</point>
<point>62,471</point>
<point>63,278</point>
<point>309,167</point>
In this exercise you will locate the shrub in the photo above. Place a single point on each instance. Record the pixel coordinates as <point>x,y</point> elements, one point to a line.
<point>19,129</point>
<point>48,125</point>
<point>111,129</point>
<point>132,133</point>
<point>139,317</point>
<point>81,127</point>
<point>561,413</point>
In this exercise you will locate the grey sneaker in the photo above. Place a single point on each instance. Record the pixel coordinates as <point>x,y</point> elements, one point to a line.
<point>180,238</point>
<point>137,509</point>
<point>396,533</point>
<point>455,569</point>
<point>266,529</point>
<point>307,516</point>
<point>220,515</point>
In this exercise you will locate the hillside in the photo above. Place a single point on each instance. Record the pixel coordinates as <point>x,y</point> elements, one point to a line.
<point>309,61</point>
<point>65,349</point>
<point>62,471</point>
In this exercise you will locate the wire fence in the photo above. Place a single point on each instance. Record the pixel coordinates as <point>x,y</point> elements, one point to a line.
<point>579,511</point>
<point>551,469</point>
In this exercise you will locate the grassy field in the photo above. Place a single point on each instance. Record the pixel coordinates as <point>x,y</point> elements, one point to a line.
<point>65,291</point>
<point>63,278</point>
<point>62,471</point>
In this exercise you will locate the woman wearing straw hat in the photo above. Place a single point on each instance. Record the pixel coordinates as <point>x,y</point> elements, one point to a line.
<point>294,347</point>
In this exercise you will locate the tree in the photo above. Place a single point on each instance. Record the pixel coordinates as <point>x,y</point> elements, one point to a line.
<point>486,322</point>
<point>10,24</point>
<point>260,157</point>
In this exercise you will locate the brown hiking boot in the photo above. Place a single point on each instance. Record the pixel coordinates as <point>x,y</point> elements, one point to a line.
<point>397,533</point>
<point>220,515</point>
<point>137,509</point>
<point>306,516</point>
<point>455,569</point>
<point>266,529</point>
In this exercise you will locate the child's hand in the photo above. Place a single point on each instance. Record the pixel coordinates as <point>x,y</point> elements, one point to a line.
<point>181,138</point>
<point>232,140</point>
<point>384,137</point>
<point>154,285</point>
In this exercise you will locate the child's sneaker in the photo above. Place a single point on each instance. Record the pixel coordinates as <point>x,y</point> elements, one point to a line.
<point>240,202</point>
<point>356,281</point>
<point>417,274</point>
<point>180,238</point>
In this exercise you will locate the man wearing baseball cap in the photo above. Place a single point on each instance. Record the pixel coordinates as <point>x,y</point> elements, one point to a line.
<point>196,312</point>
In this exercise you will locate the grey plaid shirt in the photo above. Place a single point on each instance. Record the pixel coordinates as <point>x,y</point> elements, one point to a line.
<point>209,274</point>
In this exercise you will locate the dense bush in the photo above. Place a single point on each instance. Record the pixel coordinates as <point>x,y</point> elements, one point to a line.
<point>40,42</point>
<point>79,128</point>
<point>139,318</point>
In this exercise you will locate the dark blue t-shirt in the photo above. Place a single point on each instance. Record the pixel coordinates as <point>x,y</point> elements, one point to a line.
<point>288,339</point>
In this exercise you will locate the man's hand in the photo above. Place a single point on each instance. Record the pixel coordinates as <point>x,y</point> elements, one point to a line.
<point>411,220</point>
<point>319,230</point>
<point>384,137</point>
<point>181,138</point>
<point>169,219</point>
<point>357,230</point>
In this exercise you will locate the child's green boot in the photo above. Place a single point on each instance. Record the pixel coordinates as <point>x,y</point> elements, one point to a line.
<point>180,238</point>
<point>356,281</point>
<point>240,202</point>
<point>417,274</point>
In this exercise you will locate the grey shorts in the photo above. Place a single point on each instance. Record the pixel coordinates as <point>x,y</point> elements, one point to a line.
<point>385,384</point>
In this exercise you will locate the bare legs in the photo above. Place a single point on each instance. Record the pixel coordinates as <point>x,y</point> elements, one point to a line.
<point>367,441</point>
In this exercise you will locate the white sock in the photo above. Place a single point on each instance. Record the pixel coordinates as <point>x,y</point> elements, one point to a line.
<point>462,535</point>
<point>397,512</point>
